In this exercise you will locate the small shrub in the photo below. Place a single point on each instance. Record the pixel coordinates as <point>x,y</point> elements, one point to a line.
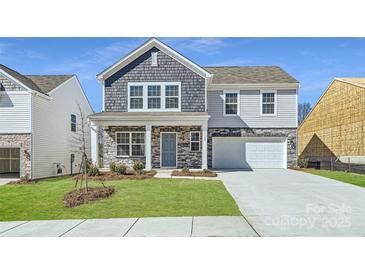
<point>302,162</point>
<point>112,166</point>
<point>206,171</point>
<point>24,178</point>
<point>93,170</point>
<point>185,170</point>
<point>138,166</point>
<point>120,169</point>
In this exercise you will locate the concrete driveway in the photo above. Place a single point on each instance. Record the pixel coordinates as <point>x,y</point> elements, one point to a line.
<point>4,181</point>
<point>292,203</point>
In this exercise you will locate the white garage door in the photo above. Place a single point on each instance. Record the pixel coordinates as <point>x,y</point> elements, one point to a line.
<point>248,153</point>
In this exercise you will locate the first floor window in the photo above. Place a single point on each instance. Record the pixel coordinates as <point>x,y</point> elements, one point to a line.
<point>268,103</point>
<point>231,103</point>
<point>195,141</point>
<point>73,122</point>
<point>136,97</point>
<point>130,143</point>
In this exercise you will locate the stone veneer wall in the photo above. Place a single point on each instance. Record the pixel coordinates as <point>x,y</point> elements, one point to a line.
<point>185,158</point>
<point>290,133</point>
<point>110,146</point>
<point>23,141</point>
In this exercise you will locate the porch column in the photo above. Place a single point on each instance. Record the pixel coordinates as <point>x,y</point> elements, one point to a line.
<point>95,144</point>
<point>205,146</point>
<point>148,147</point>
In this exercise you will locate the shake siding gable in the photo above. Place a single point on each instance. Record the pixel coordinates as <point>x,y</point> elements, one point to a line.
<point>168,70</point>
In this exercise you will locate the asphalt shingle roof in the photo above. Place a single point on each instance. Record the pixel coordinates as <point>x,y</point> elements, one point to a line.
<point>250,75</point>
<point>48,82</point>
<point>41,83</point>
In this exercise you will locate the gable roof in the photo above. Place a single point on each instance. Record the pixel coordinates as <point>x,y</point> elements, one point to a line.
<point>249,75</point>
<point>21,78</point>
<point>40,83</point>
<point>149,44</point>
<point>359,81</point>
<point>46,83</point>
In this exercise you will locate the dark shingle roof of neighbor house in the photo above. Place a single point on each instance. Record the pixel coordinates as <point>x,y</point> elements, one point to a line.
<point>48,82</point>
<point>41,83</point>
<point>249,75</point>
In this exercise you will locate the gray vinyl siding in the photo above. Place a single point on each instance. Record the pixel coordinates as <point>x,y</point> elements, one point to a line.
<point>250,110</point>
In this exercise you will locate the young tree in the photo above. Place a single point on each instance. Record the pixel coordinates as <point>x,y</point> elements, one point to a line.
<point>303,110</point>
<point>80,142</point>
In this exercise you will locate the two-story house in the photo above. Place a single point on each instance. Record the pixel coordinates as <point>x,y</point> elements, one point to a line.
<point>163,109</point>
<point>40,124</point>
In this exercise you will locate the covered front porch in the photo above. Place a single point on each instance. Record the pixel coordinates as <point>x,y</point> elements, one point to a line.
<point>159,139</point>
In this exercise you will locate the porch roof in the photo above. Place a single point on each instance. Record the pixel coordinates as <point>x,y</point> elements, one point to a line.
<point>149,118</point>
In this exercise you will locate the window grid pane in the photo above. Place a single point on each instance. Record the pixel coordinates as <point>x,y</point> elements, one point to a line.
<point>231,108</point>
<point>195,146</point>
<point>154,102</point>
<point>136,91</point>
<point>195,136</point>
<point>137,138</point>
<point>172,90</point>
<point>136,103</point>
<point>154,90</point>
<point>172,102</point>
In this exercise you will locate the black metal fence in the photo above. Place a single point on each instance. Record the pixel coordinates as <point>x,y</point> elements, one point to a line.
<point>336,165</point>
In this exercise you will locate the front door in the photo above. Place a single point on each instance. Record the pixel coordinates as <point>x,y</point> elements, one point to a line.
<point>168,149</point>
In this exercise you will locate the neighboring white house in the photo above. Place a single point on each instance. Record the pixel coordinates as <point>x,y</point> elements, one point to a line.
<point>40,124</point>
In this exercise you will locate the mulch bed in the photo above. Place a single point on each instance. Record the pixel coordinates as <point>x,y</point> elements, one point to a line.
<point>79,196</point>
<point>23,182</point>
<point>194,173</point>
<point>113,176</point>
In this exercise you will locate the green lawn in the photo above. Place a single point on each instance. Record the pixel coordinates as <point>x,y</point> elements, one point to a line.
<point>350,178</point>
<point>133,198</point>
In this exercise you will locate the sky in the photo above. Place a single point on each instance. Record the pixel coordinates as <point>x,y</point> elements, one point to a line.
<point>314,62</point>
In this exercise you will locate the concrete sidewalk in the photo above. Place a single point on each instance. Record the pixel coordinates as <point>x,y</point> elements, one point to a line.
<point>206,226</point>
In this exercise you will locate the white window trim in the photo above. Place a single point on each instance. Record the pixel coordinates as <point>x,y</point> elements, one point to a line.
<point>195,141</point>
<point>275,102</point>
<point>238,102</point>
<point>145,96</point>
<point>130,144</point>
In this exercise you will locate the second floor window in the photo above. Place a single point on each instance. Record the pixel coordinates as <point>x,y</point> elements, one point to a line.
<point>268,103</point>
<point>136,97</point>
<point>172,96</point>
<point>231,103</point>
<point>154,96</point>
<point>73,122</point>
